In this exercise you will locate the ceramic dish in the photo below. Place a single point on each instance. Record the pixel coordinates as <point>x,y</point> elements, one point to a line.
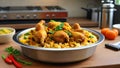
<point>117,26</point>
<point>6,37</point>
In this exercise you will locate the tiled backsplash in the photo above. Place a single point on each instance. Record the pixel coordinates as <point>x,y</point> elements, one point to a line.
<point>73,6</point>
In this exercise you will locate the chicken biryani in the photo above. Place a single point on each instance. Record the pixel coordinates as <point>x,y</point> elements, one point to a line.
<point>56,34</point>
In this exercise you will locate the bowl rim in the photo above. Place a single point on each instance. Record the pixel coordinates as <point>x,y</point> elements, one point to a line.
<point>116,26</point>
<point>100,40</point>
<point>13,32</point>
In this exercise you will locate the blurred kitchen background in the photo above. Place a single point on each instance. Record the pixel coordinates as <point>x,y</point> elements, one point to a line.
<point>72,6</point>
<point>85,12</point>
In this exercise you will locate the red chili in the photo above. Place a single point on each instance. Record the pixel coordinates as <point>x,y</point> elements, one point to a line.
<point>18,65</point>
<point>7,59</point>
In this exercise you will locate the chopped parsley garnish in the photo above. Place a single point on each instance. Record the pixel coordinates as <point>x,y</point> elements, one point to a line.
<point>69,33</point>
<point>51,32</point>
<point>59,27</point>
<point>91,36</point>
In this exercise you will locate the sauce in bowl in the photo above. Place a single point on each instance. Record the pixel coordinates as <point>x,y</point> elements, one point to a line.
<point>5,31</point>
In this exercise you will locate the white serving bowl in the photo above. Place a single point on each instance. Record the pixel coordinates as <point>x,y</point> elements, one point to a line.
<point>4,38</point>
<point>117,26</point>
<point>56,55</point>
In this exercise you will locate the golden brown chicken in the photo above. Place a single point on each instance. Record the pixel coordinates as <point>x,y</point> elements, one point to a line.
<point>77,27</point>
<point>40,32</point>
<point>77,36</point>
<point>61,36</point>
<point>52,25</point>
<point>67,26</point>
<point>40,25</point>
<point>41,36</point>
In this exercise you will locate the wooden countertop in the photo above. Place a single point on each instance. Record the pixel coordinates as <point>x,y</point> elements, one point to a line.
<point>102,57</point>
<point>82,21</point>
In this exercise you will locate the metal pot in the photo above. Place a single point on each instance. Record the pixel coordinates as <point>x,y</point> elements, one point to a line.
<point>56,55</point>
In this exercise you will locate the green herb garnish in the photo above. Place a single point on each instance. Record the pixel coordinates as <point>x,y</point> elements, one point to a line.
<point>11,50</point>
<point>27,34</point>
<point>51,32</point>
<point>91,36</point>
<point>23,61</point>
<point>16,53</point>
<point>69,33</point>
<point>25,37</point>
<point>52,21</point>
<point>59,27</point>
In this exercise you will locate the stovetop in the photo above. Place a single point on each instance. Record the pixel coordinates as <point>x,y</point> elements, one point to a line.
<point>32,12</point>
<point>54,8</point>
<point>20,8</point>
<point>24,15</point>
<point>31,8</point>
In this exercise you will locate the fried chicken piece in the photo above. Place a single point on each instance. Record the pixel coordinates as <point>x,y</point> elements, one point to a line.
<point>77,27</point>
<point>40,25</point>
<point>77,36</point>
<point>61,36</point>
<point>40,32</point>
<point>66,26</point>
<point>41,36</point>
<point>52,25</point>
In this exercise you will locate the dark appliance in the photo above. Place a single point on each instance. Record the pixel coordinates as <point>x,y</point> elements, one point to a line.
<point>93,14</point>
<point>89,12</point>
<point>27,16</point>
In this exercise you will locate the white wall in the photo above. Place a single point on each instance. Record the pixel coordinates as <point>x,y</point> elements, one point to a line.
<point>73,6</point>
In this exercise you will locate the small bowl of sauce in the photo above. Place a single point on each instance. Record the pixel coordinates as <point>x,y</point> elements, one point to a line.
<point>6,34</point>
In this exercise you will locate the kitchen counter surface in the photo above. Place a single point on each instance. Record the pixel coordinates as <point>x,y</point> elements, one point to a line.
<point>82,21</point>
<point>102,57</point>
